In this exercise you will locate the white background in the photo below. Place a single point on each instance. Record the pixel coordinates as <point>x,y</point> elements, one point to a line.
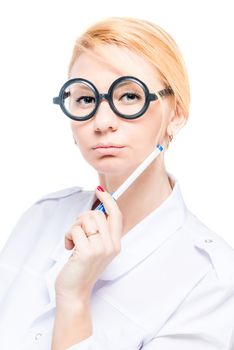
<point>37,151</point>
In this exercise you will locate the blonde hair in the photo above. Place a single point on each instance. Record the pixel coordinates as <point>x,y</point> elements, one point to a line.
<point>147,40</point>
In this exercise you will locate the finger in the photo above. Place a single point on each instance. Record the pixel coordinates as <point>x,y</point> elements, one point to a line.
<point>95,221</point>
<point>83,244</point>
<point>114,215</point>
<point>104,229</point>
<point>76,237</point>
<point>69,244</point>
<point>87,222</point>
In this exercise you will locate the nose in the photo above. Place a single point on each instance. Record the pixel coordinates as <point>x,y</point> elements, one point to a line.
<point>104,118</point>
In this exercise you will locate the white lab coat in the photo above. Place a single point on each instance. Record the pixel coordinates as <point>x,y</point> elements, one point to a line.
<point>170,288</point>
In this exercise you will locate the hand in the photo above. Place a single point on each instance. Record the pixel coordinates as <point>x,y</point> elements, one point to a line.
<point>92,253</point>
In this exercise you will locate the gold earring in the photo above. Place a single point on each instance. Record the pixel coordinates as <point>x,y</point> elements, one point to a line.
<point>170,139</point>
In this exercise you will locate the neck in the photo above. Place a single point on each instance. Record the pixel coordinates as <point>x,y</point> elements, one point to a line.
<point>145,194</point>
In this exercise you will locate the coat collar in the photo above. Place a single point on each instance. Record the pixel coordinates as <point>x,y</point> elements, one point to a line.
<point>143,239</point>
<point>149,234</point>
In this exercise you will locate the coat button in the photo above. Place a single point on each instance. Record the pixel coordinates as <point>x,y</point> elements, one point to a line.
<point>37,336</point>
<point>208,240</point>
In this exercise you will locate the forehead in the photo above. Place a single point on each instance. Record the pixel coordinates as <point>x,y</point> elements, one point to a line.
<point>106,63</point>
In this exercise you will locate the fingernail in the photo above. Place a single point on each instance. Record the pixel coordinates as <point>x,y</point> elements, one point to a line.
<point>100,188</point>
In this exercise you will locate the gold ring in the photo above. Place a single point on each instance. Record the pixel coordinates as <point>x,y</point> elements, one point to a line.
<point>92,233</point>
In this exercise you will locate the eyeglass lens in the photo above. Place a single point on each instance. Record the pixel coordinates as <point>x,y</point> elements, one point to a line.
<point>128,97</point>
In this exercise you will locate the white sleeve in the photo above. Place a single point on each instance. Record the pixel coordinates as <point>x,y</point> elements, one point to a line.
<point>231,343</point>
<point>169,342</point>
<point>88,344</point>
<point>205,320</point>
<point>15,251</point>
<point>185,342</point>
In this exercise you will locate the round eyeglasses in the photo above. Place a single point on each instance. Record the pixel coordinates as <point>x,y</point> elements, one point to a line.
<point>127,96</point>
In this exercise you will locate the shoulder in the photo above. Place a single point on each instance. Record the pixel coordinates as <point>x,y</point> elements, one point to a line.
<point>213,246</point>
<point>51,208</point>
<point>64,193</point>
<point>54,205</point>
<point>49,216</point>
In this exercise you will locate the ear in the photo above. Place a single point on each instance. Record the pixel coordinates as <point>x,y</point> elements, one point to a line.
<point>177,121</point>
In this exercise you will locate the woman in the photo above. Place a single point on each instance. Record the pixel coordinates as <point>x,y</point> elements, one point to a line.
<point>145,273</point>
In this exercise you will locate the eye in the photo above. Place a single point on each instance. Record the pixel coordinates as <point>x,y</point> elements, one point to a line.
<point>85,100</point>
<point>130,97</point>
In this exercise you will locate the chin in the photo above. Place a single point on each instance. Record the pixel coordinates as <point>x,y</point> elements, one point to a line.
<point>110,167</point>
<point>108,164</point>
<point>114,167</point>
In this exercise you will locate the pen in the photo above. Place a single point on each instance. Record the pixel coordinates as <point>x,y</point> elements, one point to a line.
<point>137,172</point>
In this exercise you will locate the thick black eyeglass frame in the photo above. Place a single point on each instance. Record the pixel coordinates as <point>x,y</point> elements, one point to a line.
<point>149,97</point>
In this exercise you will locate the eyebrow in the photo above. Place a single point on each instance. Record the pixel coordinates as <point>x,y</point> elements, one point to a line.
<point>127,83</point>
<point>87,88</point>
<point>84,87</point>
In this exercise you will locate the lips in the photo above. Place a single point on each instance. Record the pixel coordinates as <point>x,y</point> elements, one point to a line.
<point>111,151</point>
<point>109,145</point>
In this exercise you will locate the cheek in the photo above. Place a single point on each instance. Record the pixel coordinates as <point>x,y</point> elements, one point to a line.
<point>148,128</point>
<point>79,133</point>
<point>73,126</point>
<point>155,123</point>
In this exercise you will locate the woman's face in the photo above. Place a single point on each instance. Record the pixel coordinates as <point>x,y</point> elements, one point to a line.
<point>138,136</point>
